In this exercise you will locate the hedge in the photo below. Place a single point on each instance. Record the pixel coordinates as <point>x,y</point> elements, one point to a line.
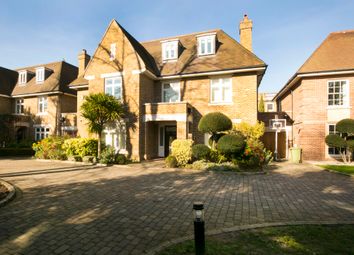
<point>13,152</point>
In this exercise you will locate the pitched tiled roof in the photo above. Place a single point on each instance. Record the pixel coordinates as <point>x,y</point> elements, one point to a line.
<point>8,79</point>
<point>60,74</point>
<point>229,55</point>
<point>335,53</point>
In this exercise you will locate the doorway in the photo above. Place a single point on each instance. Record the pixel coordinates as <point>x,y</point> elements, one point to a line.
<point>170,136</point>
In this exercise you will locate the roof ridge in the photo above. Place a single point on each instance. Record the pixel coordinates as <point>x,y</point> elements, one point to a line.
<point>181,35</point>
<point>33,66</point>
<point>343,31</point>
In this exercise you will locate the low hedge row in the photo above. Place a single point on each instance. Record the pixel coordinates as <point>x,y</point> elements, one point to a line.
<point>13,152</point>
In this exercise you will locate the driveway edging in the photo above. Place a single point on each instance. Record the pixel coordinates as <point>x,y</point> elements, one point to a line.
<point>169,243</point>
<point>10,195</point>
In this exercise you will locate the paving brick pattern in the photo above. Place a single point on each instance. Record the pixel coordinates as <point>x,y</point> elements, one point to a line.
<point>74,209</point>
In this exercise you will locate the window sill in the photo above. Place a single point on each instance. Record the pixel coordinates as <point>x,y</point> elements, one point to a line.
<point>42,113</point>
<point>221,103</point>
<point>338,107</point>
<point>206,55</point>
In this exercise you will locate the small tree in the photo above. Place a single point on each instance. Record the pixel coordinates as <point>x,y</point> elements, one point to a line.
<point>214,123</point>
<point>261,104</point>
<point>100,109</point>
<point>343,141</point>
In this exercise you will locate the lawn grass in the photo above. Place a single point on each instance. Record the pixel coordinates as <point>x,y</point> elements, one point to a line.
<point>340,168</point>
<point>304,239</point>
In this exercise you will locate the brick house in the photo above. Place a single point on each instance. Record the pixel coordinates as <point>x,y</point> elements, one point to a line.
<point>320,94</point>
<point>269,103</point>
<point>168,84</point>
<point>39,100</point>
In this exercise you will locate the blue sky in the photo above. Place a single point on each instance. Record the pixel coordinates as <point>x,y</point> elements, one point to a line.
<point>285,32</point>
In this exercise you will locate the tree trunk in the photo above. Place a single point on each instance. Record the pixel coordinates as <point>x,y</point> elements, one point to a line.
<point>99,145</point>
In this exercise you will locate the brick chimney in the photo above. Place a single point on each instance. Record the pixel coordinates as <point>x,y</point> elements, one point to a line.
<point>246,32</point>
<point>83,58</point>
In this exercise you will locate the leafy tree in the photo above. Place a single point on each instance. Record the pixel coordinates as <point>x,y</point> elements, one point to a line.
<point>261,104</point>
<point>99,110</point>
<point>344,140</point>
<point>214,123</point>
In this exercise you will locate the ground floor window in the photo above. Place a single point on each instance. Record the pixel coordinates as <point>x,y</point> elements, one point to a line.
<point>332,130</point>
<point>41,133</point>
<point>116,137</point>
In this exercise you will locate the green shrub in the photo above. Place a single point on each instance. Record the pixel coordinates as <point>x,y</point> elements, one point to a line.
<point>15,152</point>
<point>217,157</point>
<point>214,122</point>
<point>334,140</point>
<point>121,159</point>
<point>182,150</point>
<point>231,145</point>
<point>108,155</point>
<point>345,126</point>
<point>80,146</point>
<point>215,138</point>
<point>50,148</point>
<point>171,161</point>
<point>200,151</point>
<point>205,165</point>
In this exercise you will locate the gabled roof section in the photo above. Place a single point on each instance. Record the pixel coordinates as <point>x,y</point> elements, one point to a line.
<point>59,75</point>
<point>336,53</point>
<point>229,55</point>
<point>8,80</point>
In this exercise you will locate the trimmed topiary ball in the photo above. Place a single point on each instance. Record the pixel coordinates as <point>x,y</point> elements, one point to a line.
<point>200,151</point>
<point>345,126</point>
<point>214,122</point>
<point>231,145</point>
<point>333,140</point>
<point>171,161</point>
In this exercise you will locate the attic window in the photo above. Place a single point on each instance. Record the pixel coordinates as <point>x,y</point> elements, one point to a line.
<point>112,54</point>
<point>206,45</point>
<point>170,50</point>
<point>40,74</point>
<point>22,78</point>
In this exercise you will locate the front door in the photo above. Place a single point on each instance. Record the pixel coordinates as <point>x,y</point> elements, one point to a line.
<point>170,135</point>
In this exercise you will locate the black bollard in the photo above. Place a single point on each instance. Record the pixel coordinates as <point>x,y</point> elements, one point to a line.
<point>199,229</point>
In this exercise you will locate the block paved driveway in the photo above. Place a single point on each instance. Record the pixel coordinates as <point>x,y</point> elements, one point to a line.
<point>72,209</point>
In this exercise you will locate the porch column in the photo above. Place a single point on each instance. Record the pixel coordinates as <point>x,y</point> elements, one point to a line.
<point>182,130</point>
<point>151,138</point>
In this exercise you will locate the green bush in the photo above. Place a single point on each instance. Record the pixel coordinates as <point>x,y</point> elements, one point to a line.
<point>121,159</point>
<point>108,155</point>
<point>50,148</point>
<point>215,138</point>
<point>15,152</point>
<point>200,151</point>
<point>80,146</point>
<point>231,145</point>
<point>214,122</point>
<point>182,150</point>
<point>171,161</point>
<point>345,126</point>
<point>205,165</point>
<point>334,140</point>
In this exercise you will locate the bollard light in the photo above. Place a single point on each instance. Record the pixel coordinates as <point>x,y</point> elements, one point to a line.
<point>199,235</point>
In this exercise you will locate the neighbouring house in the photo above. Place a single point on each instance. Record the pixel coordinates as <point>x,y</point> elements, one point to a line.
<point>168,84</point>
<point>269,104</point>
<point>320,94</point>
<point>36,102</point>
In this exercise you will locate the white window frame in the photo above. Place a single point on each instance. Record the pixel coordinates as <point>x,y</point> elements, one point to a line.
<point>176,87</point>
<point>41,132</point>
<point>42,104</point>
<point>205,39</point>
<point>221,86</point>
<point>19,106</point>
<point>113,51</point>
<point>117,137</point>
<point>22,77</point>
<point>169,47</point>
<point>113,86</point>
<point>345,91</point>
<point>40,73</point>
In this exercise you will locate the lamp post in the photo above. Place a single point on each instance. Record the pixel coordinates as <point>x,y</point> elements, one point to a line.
<point>199,235</point>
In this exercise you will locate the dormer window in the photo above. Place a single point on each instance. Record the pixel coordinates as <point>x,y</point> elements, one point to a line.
<point>112,54</point>
<point>206,44</point>
<point>169,50</point>
<point>22,77</point>
<point>40,72</point>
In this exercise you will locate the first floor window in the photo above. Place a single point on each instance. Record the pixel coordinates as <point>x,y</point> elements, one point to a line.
<point>113,87</point>
<point>171,92</point>
<point>221,90</point>
<point>270,107</point>
<point>338,93</point>
<point>19,106</point>
<point>116,137</point>
<point>41,133</point>
<point>42,104</point>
